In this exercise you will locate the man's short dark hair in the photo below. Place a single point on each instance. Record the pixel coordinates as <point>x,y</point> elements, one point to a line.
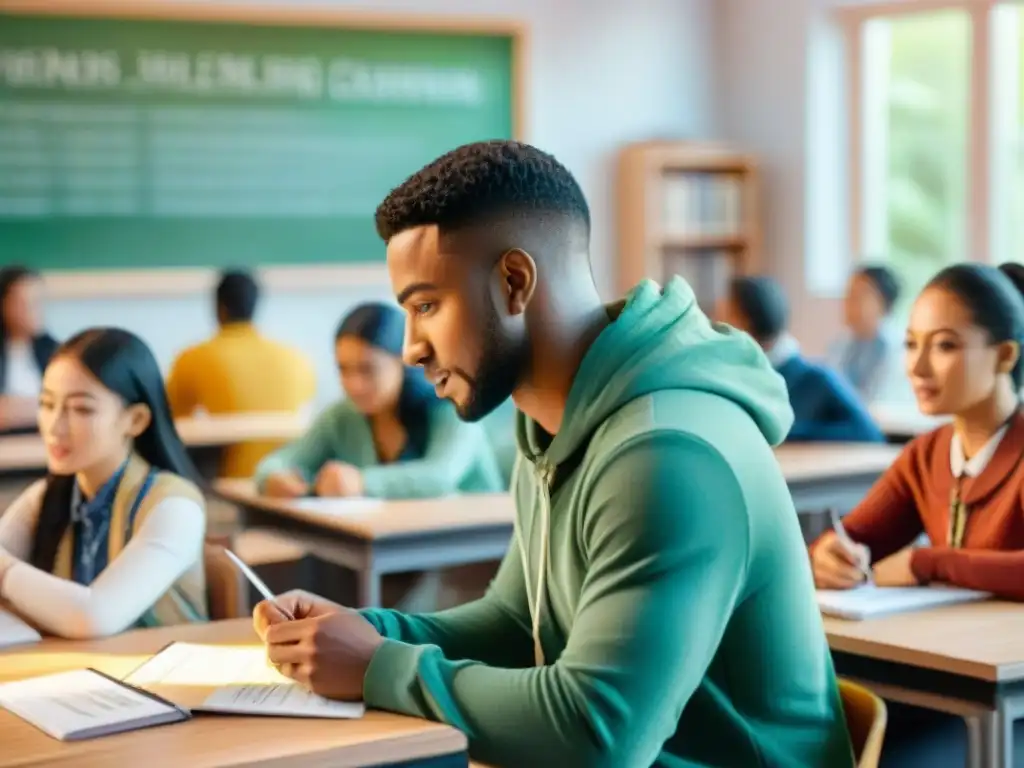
<point>478,181</point>
<point>763,302</point>
<point>885,282</point>
<point>237,295</point>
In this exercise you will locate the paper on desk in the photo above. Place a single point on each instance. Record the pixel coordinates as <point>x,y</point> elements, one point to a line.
<point>868,600</point>
<point>81,703</point>
<point>346,506</point>
<point>245,683</point>
<point>14,631</point>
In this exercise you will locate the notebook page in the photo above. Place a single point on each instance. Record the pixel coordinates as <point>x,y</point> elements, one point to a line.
<point>81,702</point>
<point>869,600</point>
<point>242,682</point>
<point>14,631</point>
<point>289,700</point>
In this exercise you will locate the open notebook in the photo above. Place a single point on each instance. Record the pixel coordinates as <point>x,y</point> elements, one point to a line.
<point>14,631</point>
<point>232,680</point>
<point>84,704</point>
<point>868,601</point>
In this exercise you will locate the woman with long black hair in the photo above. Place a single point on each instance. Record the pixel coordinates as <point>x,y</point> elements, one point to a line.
<point>391,437</point>
<point>25,347</point>
<point>112,538</point>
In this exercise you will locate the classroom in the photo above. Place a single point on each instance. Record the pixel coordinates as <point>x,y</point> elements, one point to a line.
<point>445,383</point>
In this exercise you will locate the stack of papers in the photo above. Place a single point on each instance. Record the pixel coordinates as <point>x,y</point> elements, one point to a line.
<point>868,601</point>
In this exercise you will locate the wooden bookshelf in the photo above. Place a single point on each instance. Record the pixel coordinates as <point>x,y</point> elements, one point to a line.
<point>687,208</point>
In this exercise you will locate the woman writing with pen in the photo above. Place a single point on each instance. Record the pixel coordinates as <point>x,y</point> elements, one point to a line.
<point>962,483</point>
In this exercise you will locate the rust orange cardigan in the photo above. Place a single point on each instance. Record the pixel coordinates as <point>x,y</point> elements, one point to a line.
<point>914,496</point>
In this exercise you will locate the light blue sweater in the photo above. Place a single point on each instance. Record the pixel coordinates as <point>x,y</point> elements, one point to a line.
<point>457,457</point>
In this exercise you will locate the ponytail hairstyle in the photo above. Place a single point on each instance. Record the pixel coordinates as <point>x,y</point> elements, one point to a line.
<point>383,326</point>
<point>995,298</point>
<point>122,363</point>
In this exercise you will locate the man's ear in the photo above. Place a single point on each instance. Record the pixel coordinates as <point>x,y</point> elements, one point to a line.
<point>518,273</point>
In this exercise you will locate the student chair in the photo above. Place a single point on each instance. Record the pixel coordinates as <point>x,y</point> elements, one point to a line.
<point>227,591</point>
<point>866,719</point>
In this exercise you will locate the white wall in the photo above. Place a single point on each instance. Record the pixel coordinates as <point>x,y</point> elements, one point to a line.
<point>780,70</point>
<point>602,73</point>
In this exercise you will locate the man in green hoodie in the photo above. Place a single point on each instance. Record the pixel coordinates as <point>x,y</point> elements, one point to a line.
<point>656,607</point>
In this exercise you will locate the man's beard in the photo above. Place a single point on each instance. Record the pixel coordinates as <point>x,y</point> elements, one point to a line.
<point>502,362</point>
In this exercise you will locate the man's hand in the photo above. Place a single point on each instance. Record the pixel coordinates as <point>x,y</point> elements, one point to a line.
<point>299,603</point>
<point>337,478</point>
<point>285,485</point>
<point>328,653</point>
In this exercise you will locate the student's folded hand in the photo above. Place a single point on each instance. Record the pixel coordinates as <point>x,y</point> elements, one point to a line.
<point>337,478</point>
<point>836,565</point>
<point>895,570</point>
<point>285,485</point>
<point>299,603</point>
<point>327,653</point>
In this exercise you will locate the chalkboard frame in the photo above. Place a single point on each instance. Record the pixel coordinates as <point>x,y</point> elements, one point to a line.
<point>169,282</point>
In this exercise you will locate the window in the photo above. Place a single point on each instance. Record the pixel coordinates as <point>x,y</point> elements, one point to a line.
<point>937,139</point>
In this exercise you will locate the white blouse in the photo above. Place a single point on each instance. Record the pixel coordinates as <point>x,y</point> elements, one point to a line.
<point>165,546</point>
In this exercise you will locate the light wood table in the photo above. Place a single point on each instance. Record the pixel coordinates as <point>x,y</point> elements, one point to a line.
<point>378,739</point>
<point>396,537</point>
<point>902,422</point>
<point>966,660</point>
<point>429,534</point>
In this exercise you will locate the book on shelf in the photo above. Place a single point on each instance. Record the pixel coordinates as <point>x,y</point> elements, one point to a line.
<point>702,205</point>
<point>707,271</point>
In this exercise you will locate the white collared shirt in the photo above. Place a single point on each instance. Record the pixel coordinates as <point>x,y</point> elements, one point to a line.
<point>23,378</point>
<point>960,465</point>
<point>783,350</point>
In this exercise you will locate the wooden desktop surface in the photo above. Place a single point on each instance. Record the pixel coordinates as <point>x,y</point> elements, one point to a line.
<point>207,741</point>
<point>980,640</point>
<point>26,452</point>
<point>803,462</point>
<point>904,420</point>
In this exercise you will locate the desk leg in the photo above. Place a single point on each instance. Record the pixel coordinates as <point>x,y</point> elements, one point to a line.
<point>369,587</point>
<point>990,740</point>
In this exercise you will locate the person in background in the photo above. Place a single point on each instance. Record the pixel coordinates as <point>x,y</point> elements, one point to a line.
<point>240,370</point>
<point>962,484</point>
<point>655,533</point>
<point>825,406</point>
<point>112,538</point>
<point>391,437</point>
<point>868,354</point>
<point>25,347</point>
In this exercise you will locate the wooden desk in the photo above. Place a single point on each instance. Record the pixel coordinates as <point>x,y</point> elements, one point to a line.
<point>824,475</point>
<point>379,739</point>
<point>426,535</point>
<point>26,453</point>
<point>902,422</point>
<point>967,660</point>
<point>400,536</point>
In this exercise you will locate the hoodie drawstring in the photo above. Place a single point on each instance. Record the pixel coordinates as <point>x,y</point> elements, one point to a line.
<point>542,495</point>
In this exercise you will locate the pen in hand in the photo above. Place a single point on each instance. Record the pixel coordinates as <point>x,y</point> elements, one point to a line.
<point>850,545</point>
<point>257,582</point>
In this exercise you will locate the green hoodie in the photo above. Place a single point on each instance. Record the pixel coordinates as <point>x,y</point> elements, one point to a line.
<point>676,622</point>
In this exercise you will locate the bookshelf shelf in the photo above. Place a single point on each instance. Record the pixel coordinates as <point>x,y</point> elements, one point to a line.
<point>688,208</point>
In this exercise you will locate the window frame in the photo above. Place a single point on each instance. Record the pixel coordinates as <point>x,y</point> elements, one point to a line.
<point>980,220</point>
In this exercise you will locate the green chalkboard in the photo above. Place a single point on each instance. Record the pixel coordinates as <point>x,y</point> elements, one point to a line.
<point>133,143</point>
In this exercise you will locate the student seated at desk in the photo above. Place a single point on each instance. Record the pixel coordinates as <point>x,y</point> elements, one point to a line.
<point>825,406</point>
<point>391,437</point>
<point>653,608</point>
<point>113,537</point>
<point>25,348</point>
<point>869,354</point>
<point>963,483</point>
<point>240,371</point>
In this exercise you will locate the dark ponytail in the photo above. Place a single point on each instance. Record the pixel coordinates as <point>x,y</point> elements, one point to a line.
<point>994,297</point>
<point>383,326</point>
<point>122,363</point>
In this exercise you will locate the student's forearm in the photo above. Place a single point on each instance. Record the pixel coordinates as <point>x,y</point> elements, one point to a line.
<point>1001,573</point>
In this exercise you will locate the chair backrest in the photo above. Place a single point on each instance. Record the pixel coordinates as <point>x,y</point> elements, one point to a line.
<point>866,718</point>
<point>227,591</point>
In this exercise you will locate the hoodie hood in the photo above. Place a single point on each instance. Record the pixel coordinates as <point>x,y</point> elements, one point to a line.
<point>660,339</point>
